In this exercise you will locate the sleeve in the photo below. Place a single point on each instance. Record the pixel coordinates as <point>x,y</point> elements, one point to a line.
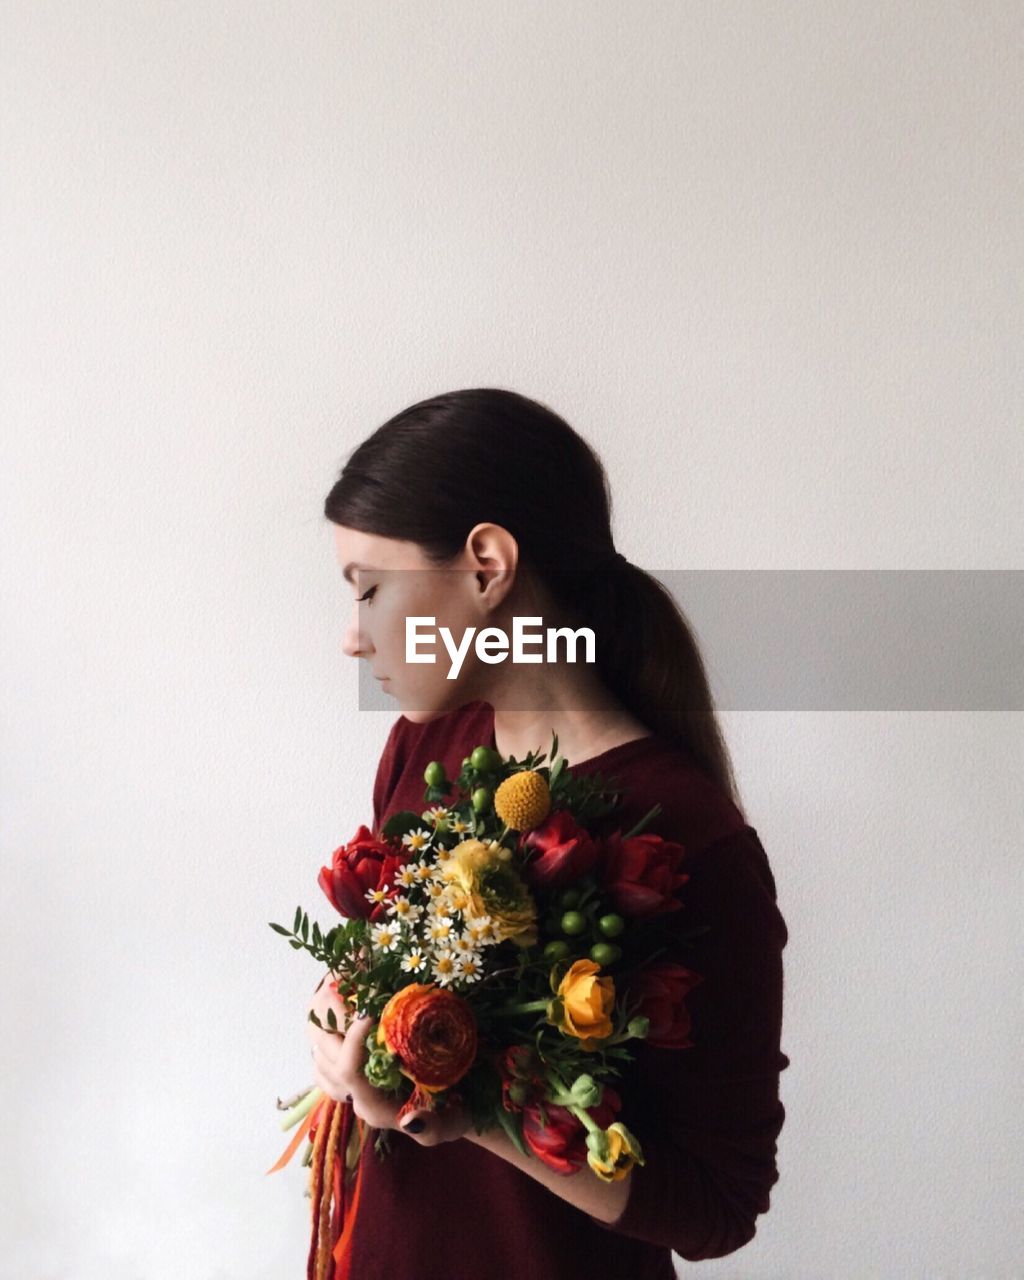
<point>389,770</point>
<point>708,1116</point>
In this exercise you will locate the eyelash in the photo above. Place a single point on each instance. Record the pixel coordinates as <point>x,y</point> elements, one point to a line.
<point>367,596</point>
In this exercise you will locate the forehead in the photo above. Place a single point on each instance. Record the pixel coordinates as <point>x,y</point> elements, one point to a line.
<point>352,546</point>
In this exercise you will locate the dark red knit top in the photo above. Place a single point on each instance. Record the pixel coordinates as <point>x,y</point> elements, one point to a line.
<point>707,1116</point>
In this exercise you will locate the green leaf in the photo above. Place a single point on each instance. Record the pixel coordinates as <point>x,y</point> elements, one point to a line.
<point>295,943</point>
<point>648,816</point>
<point>315,1020</point>
<point>317,939</point>
<point>400,824</point>
<point>305,927</point>
<point>298,920</point>
<point>511,1124</point>
<point>279,928</point>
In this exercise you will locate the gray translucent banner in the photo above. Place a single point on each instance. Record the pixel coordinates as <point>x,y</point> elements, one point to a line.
<point>780,640</point>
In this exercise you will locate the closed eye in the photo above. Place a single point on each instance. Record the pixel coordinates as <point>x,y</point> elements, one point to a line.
<point>368,595</point>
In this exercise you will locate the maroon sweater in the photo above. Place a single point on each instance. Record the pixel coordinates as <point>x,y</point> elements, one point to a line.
<point>707,1117</point>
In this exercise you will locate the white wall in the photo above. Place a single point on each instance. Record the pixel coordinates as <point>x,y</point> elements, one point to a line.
<point>768,259</point>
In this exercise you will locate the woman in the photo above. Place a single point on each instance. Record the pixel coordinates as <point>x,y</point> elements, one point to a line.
<point>471,509</point>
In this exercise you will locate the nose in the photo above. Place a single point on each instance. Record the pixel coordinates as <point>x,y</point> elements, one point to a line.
<point>355,644</point>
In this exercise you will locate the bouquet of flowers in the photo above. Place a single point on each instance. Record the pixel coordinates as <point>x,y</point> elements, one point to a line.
<point>508,957</point>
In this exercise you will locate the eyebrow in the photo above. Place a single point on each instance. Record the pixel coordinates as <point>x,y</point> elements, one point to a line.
<point>346,573</point>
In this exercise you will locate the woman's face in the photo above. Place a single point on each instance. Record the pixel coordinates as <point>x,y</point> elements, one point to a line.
<point>389,580</point>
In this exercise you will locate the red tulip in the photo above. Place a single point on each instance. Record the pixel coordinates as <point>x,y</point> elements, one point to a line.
<point>561,852</point>
<point>562,1143</point>
<point>364,863</point>
<point>662,989</point>
<point>641,874</point>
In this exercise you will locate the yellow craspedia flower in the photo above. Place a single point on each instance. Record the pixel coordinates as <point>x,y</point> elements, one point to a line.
<point>618,1155</point>
<point>523,800</point>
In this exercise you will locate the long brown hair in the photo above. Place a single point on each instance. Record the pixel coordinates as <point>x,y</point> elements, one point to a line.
<point>437,468</point>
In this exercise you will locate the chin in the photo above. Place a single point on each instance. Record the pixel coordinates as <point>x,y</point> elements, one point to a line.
<point>430,706</point>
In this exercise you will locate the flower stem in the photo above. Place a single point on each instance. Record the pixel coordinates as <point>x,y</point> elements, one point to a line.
<point>529,1006</point>
<point>585,1117</point>
<point>302,1108</point>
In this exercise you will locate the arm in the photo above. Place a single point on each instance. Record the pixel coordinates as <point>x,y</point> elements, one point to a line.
<point>602,1200</point>
<point>707,1116</point>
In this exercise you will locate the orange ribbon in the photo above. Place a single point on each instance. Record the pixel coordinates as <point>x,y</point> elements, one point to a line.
<point>344,1241</point>
<point>303,1129</point>
<point>340,1253</point>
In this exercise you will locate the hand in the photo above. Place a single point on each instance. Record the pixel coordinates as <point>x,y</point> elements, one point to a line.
<point>338,1071</point>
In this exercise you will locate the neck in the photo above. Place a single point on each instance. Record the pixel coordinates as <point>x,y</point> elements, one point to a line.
<point>530,703</point>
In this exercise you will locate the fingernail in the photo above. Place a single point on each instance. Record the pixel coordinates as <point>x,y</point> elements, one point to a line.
<point>414,1126</point>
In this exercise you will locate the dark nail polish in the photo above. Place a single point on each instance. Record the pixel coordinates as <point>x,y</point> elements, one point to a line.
<point>414,1126</point>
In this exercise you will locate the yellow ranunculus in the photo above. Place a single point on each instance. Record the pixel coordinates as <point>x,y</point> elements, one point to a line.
<point>584,1004</point>
<point>622,1154</point>
<point>480,882</point>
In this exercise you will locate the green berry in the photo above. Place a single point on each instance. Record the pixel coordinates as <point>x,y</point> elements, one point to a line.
<point>434,774</point>
<point>466,763</point>
<point>570,899</point>
<point>573,922</point>
<point>557,950</point>
<point>604,953</point>
<point>611,925</point>
<point>482,758</point>
<point>481,799</point>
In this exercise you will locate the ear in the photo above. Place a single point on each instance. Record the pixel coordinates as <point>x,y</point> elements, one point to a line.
<point>492,554</point>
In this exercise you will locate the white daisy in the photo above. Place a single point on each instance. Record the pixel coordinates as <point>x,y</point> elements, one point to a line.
<point>386,936</point>
<point>468,968</point>
<point>440,928</point>
<point>435,890</point>
<point>417,840</point>
<point>459,826</point>
<point>406,876</point>
<point>457,897</point>
<point>436,813</point>
<point>424,871</point>
<point>378,895</point>
<point>415,961</point>
<point>481,930</point>
<point>403,909</point>
<point>445,967</point>
<point>464,945</point>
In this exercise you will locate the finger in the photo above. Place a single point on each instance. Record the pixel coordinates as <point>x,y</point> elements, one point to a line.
<point>352,1055</point>
<point>326,1084</point>
<point>369,1103</point>
<point>429,1128</point>
<point>417,1124</point>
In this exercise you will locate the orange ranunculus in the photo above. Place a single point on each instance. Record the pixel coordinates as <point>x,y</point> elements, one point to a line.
<point>432,1031</point>
<point>584,1003</point>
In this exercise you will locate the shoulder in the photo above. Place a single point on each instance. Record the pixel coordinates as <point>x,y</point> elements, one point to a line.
<point>730,873</point>
<point>693,809</point>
